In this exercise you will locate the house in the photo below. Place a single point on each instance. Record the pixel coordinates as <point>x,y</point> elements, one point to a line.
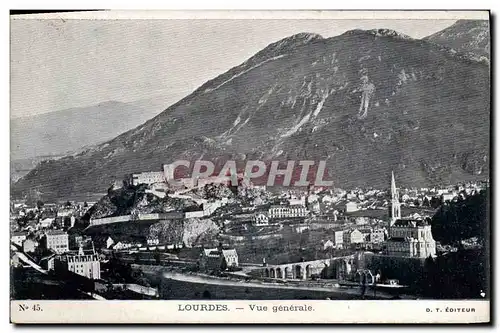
<point>65,212</point>
<point>336,242</point>
<point>87,265</point>
<point>78,240</point>
<point>260,219</point>
<point>353,237</point>
<point>218,259</point>
<point>366,234</point>
<point>328,245</point>
<point>152,241</point>
<point>299,228</point>
<point>57,240</point>
<point>297,201</point>
<point>47,262</point>
<point>377,235</point>
<point>447,197</point>
<point>29,245</point>
<point>351,206</point>
<point>46,222</point>
<point>122,246</point>
<point>338,239</point>
<point>315,207</point>
<point>18,237</point>
<point>109,242</point>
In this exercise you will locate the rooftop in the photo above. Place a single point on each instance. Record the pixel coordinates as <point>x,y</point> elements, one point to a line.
<point>409,222</point>
<point>56,232</point>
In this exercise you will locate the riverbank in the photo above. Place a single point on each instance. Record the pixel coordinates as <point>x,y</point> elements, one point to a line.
<point>179,285</point>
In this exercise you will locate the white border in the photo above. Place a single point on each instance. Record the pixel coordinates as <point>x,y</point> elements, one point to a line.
<point>198,4</point>
<point>263,15</point>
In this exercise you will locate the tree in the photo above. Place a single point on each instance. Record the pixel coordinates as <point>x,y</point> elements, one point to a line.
<point>39,204</point>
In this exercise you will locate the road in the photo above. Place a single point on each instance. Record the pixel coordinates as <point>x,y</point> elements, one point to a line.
<point>205,279</point>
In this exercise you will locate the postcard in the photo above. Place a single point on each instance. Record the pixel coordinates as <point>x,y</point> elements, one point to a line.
<point>250,167</point>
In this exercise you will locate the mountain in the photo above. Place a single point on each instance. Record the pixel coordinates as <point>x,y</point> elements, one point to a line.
<point>367,102</point>
<point>465,36</point>
<point>64,131</point>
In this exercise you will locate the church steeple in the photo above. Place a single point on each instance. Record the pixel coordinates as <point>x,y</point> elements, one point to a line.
<point>394,194</point>
<point>395,205</point>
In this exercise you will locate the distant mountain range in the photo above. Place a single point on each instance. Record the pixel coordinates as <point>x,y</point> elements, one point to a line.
<point>367,102</point>
<point>465,36</point>
<point>69,130</point>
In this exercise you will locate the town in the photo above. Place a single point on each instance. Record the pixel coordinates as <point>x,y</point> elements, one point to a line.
<point>149,239</point>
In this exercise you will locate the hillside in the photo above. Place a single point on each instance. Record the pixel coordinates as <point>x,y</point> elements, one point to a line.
<point>69,130</point>
<point>135,200</point>
<point>368,102</point>
<point>465,36</point>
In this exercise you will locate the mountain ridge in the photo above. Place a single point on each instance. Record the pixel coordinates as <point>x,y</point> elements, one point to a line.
<point>365,101</point>
<point>468,36</point>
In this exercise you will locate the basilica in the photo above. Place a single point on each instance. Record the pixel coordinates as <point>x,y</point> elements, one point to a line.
<point>408,237</point>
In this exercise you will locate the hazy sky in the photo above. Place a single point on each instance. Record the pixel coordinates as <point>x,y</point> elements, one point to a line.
<point>58,64</point>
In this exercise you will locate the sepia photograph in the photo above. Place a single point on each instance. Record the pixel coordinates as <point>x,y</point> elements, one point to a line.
<point>196,159</point>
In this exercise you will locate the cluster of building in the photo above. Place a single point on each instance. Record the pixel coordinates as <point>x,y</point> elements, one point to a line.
<point>338,212</point>
<point>355,238</point>
<point>53,249</point>
<point>218,259</point>
<point>43,216</point>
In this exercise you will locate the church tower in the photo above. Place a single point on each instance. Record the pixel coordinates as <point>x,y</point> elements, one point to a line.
<point>395,205</point>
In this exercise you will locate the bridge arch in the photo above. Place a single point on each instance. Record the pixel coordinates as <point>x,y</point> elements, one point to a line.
<point>287,272</point>
<point>324,271</point>
<point>308,272</point>
<point>365,276</point>
<point>273,273</point>
<point>279,273</point>
<point>298,272</point>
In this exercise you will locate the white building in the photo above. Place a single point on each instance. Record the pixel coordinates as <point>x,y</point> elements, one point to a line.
<point>109,242</point>
<point>122,246</point>
<point>337,242</point>
<point>29,245</point>
<point>87,265</point>
<point>279,211</point>
<point>448,196</point>
<point>153,241</point>
<point>18,238</point>
<point>65,212</point>
<point>260,219</point>
<point>353,237</point>
<point>57,240</point>
<point>148,178</point>
<point>351,207</point>
<point>297,201</point>
<point>338,239</point>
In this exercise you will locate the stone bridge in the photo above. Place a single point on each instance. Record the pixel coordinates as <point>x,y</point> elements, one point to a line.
<point>333,268</point>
